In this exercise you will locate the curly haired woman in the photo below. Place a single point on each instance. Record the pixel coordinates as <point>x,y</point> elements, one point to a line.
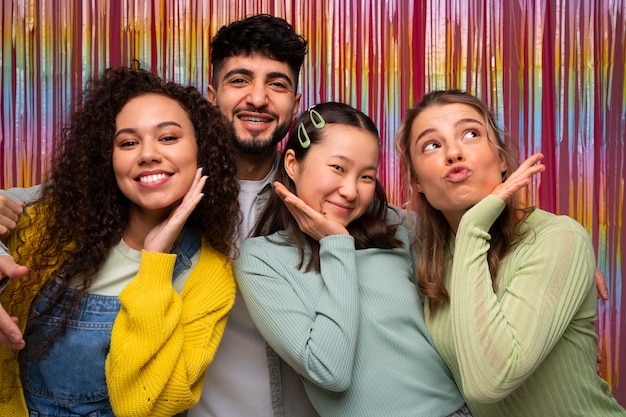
<point>128,248</point>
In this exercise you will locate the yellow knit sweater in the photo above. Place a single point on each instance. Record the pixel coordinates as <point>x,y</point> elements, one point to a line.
<point>161,342</point>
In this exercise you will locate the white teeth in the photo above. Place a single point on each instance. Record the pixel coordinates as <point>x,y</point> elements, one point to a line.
<point>254,119</point>
<point>152,178</point>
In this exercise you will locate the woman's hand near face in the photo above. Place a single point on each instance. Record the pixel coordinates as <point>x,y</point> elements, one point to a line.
<point>311,222</point>
<point>521,177</point>
<point>163,236</point>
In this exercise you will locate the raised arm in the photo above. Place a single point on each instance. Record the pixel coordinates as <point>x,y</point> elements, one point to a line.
<point>310,320</point>
<point>506,335</point>
<point>162,342</point>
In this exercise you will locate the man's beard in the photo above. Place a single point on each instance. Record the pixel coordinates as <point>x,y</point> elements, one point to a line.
<point>258,146</point>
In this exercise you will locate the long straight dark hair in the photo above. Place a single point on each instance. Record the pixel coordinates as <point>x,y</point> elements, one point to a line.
<point>369,231</point>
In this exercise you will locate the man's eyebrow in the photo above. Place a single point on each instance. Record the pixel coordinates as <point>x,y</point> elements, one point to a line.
<point>270,76</point>
<point>240,71</point>
<point>277,74</point>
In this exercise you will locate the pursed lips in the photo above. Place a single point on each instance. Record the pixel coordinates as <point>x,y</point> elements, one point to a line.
<point>457,173</point>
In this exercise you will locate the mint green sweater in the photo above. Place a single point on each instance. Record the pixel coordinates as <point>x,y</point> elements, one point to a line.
<point>529,349</point>
<point>355,332</point>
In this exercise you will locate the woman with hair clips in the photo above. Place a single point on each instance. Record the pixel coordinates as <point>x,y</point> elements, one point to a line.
<point>329,279</point>
<point>128,247</point>
<point>511,302</point>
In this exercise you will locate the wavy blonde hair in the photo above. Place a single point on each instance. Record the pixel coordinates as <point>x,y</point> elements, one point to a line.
<point>433,231</point>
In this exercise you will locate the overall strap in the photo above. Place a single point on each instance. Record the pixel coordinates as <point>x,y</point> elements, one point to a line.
<point>188,244</point>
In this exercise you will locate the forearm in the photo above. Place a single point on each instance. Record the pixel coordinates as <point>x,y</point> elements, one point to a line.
<point>162,343</point>
<point>506,335</point>
<point>309,319</point>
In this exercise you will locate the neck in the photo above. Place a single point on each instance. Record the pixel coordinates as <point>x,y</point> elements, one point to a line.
<point>254,167</point>
<point>453,220</point>
<point>139,225</point>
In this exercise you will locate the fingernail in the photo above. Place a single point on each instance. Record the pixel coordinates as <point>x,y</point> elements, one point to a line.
<point>15,337</point>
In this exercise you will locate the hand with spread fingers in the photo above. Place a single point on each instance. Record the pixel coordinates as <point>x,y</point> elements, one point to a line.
<point>520,178</point>
<point>163,236</point>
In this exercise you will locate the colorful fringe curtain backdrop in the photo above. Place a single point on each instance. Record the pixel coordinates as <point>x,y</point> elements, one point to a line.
<point>552,70</point>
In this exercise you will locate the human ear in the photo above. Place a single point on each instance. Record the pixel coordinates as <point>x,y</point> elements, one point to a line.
<point>418,187</point>
<point>290,163</point>
<point>503,165</point>
<point>296,106</point>
<point>211,95</point>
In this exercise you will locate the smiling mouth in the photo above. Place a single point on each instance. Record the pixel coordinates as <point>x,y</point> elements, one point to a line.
<point>341,206</point>
<point>255,119</point>
<point>148,179</point>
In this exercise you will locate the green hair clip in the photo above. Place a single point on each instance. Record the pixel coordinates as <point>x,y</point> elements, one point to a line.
<point>318,122</point>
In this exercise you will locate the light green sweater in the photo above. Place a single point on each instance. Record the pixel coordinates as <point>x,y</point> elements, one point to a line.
<point>355,332</point>
<point>528,350</point>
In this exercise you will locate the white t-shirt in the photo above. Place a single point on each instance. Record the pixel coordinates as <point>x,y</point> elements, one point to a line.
<point>122,265</point>
<point>237,383</point>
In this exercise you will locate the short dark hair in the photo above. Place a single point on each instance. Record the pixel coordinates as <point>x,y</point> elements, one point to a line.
<point>269,35</point>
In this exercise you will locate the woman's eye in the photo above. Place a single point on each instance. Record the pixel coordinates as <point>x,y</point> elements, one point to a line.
<point>338,168</point>
<point>169,138</point>
<point>471,134</point>
<point>127,144</point>
<point>429,146</point>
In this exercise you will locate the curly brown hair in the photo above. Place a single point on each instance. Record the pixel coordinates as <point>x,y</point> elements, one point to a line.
<point>81,206</point>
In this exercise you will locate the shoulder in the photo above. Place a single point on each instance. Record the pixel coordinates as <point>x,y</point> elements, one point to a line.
<point>269,241</point>
<point>545,223</point>
<point>397,215</point>
<point>216,267</point>
<point>267,248</point>
<point>209,254</point>
<point>548,237</point>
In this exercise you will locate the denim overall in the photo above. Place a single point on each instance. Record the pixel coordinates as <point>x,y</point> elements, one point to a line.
<point>70,381</point>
